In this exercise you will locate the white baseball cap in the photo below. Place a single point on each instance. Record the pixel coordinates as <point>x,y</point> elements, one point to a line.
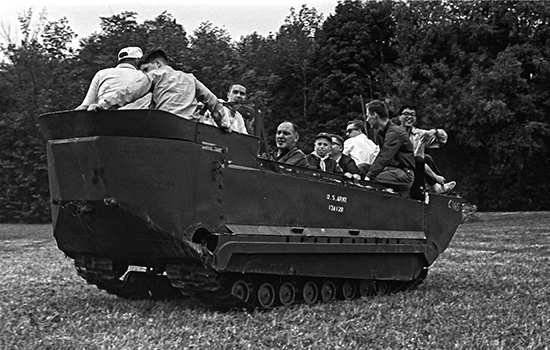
<point>130,52</point>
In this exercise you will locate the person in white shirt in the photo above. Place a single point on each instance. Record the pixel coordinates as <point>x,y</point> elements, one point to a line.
<point>235,98</point>
<point>358,146</point>
<point>422,139</point>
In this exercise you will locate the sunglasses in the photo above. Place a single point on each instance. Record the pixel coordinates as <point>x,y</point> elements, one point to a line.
<point>236,92</point>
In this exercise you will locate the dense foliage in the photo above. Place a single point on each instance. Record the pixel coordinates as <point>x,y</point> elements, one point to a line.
<point>479,69</point>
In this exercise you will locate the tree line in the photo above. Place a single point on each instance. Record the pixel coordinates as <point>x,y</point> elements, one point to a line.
<point>478,69</point>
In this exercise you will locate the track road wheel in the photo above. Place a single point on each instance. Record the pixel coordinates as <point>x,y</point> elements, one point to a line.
<point>266,295</point>
<point>328,291</point>
<point>366,288</point>
<point>136,285</point>
<point>241,290</point>
<point>383,288</point>
<point>310,292</point>
<point>162,289</point>
<point>287,294</point>
<point>349,289</point>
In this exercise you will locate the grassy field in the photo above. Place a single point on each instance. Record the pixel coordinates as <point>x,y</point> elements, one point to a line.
<point>489,290</point>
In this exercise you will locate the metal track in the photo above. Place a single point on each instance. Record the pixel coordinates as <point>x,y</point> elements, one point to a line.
<point>227,290</point>
<point>133,285</point>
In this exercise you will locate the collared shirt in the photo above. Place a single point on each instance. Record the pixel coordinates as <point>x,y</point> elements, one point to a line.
<point>416,134</point>
<point>396,150</point>
<point>361,149</point>
<point>179,93</point>
<point>115,87</point>
<point>235,118</point>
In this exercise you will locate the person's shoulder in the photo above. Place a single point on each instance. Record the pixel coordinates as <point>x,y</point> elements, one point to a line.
<point>345,159</point>
<point>296,150</point>
<point>184,74</point>
<point>351,140</point>
<point>395,129</point>
<point>311,156</point>
<point>107,70</point>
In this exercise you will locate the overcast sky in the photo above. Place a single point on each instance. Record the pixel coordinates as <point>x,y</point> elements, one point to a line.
<point>238,17</point>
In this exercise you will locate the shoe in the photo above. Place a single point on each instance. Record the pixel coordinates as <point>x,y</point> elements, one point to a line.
<point>445,188</point>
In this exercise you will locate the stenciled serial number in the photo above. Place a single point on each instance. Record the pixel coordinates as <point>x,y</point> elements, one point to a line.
<point>336,208</point>
<point>336,198</point>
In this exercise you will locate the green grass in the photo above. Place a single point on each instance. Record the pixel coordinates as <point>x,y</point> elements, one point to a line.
<point>489,290</point>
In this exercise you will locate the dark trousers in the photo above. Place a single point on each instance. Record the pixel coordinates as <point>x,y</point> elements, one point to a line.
<point>430,162</point>
<point>417,188</point>
<point>395,178</point>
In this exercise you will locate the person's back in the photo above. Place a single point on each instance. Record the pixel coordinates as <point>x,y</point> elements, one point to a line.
<point>178,92</point>
<point>174,91</point>
<point>115,87</point>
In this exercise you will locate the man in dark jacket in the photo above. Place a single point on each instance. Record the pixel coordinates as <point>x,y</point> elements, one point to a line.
<point>287,152</point>
<point>394,165</point>
<point>344,164</point>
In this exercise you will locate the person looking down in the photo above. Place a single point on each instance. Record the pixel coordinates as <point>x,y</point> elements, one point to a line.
<point>178,92</point>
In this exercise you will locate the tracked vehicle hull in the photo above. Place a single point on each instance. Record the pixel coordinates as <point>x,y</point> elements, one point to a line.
<point>202,215</point>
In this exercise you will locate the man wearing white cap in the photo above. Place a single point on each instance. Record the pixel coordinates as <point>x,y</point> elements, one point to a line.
<point>115,87</point>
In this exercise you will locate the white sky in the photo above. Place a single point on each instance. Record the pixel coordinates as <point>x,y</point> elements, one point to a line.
<point>238,17</point>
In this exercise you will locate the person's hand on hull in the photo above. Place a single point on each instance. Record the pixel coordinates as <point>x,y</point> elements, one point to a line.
<point>94,107</point>
<point>222,120</point>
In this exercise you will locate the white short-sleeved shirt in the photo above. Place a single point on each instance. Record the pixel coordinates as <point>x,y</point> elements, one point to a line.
<point>361,149</point>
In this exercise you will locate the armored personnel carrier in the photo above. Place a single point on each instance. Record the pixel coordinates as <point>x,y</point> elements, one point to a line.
<point>152,205</point>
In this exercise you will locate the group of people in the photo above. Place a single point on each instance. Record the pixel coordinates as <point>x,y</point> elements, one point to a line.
<point>395,158</point>
<point>148,81</point>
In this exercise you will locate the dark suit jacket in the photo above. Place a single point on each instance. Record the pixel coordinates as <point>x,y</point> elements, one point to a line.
<point>396,150</point>
<point>346,164</point>
<point>294,156</point>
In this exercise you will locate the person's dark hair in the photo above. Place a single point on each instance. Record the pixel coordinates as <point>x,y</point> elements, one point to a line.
<point>406,106</point>
<point>153,54</point>
<point>358,124</point>
<point>379,108</point>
